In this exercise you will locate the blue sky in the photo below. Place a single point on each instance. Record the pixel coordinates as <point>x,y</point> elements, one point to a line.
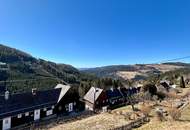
<point>89,33</point>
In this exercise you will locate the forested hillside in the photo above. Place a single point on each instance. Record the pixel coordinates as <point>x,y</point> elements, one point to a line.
<point>24,72</point>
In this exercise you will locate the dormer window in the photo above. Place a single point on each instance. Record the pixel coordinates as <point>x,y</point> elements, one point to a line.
<point>19,116</point>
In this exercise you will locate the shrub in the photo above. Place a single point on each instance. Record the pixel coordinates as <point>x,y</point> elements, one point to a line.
<point>160,116</point>
<point>151,88</point>
<point>161,96</point>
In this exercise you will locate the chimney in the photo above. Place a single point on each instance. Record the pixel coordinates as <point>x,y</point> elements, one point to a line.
<point>6,95</point>
<point>34,91</point>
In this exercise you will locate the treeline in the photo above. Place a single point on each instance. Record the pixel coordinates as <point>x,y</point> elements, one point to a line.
<point>104,83</point>
<point>172,76</point>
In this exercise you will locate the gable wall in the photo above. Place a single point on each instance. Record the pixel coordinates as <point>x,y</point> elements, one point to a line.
<point>70,97</point>
<point>102,100</point>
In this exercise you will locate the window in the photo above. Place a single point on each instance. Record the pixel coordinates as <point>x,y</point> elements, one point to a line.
<point>104,109</point>
<point>70,107</point>
<point>49,112</point>
<point>27,114</point>
<point>19,116</point>
<point>45,109</point>
<point>103,101</point>
<point>36,112</point>
<point>6,121</point>
<point>6,124</point>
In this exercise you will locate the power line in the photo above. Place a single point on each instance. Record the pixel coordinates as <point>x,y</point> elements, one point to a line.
<point>25,80</point>
<point>175,59</point>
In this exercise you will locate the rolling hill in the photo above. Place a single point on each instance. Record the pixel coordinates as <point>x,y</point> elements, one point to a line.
<point>135,72</point>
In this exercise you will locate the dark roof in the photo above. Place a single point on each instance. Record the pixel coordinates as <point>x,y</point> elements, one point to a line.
<point>115,93</point>
<point>125,92</point>
<point>2,88</point>
<point>130,91</point>
<point>20,103</point>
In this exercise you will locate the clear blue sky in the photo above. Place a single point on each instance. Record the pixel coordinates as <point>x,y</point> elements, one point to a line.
<point>88,33</point>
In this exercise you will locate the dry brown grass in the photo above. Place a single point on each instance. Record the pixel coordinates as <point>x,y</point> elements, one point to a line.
<point>187,94</point>
<point>103,121</point>
<point>128,74</point>
<point>146,109</point>
<point>167,125</point>
<point>172,95</point>
<point>116,118</point>
<point>174,113</point>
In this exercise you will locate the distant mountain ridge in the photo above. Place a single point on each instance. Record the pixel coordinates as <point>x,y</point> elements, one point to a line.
<point>136,72</point>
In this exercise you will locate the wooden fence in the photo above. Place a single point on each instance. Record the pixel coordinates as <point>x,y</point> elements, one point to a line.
<point>134,124</point>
